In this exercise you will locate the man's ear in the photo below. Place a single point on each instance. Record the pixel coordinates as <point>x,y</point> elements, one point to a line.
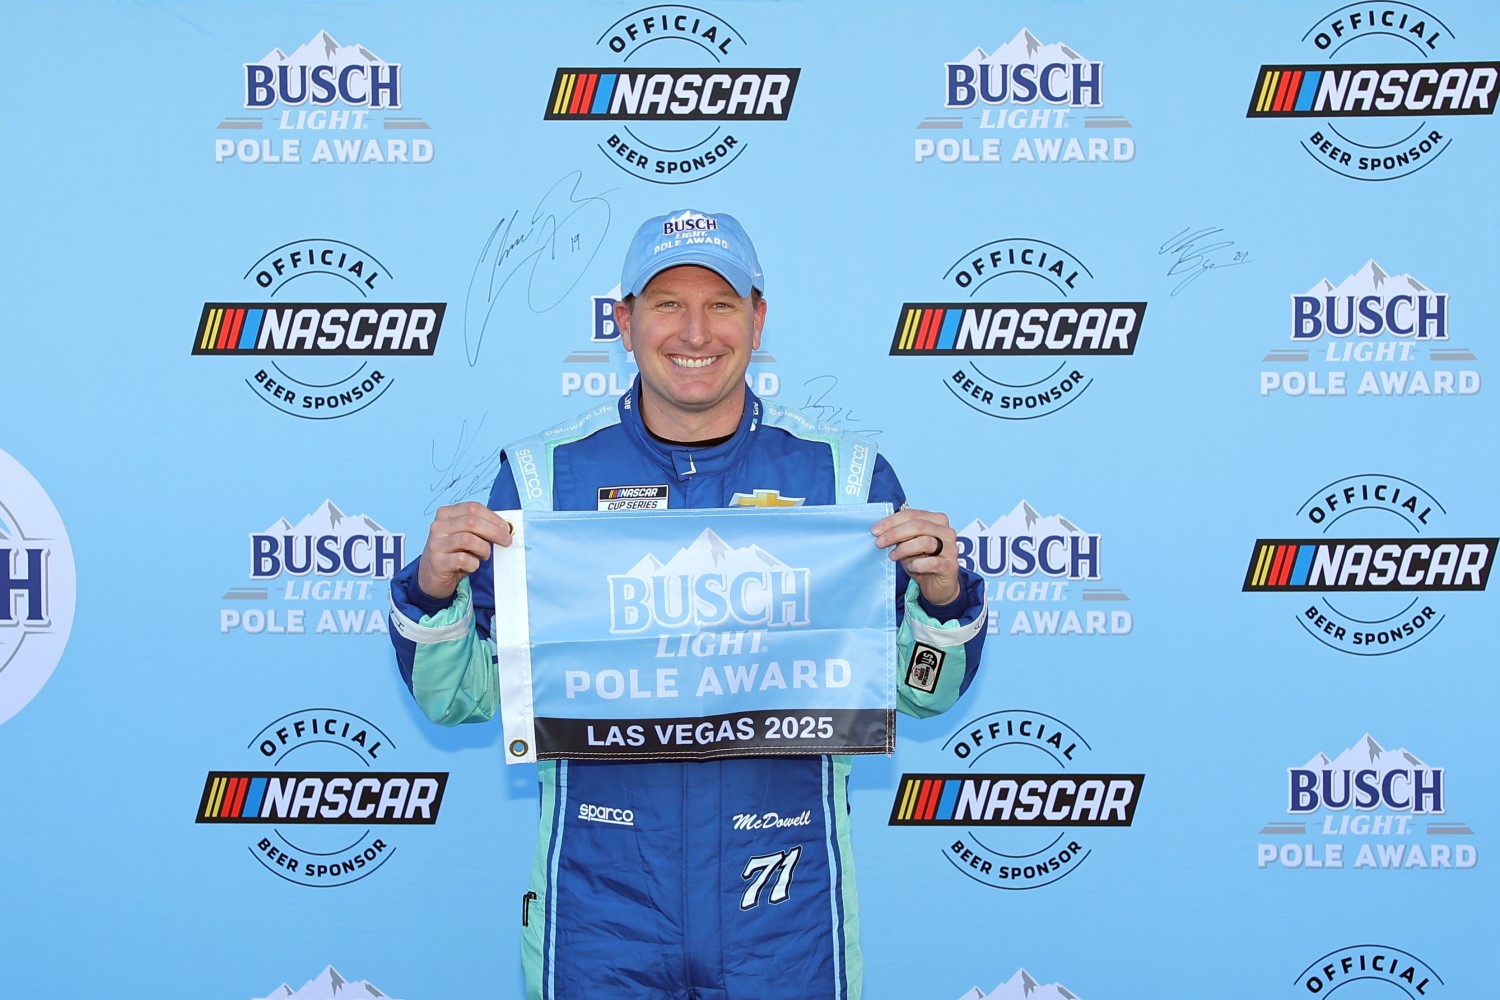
<point>622,323</point>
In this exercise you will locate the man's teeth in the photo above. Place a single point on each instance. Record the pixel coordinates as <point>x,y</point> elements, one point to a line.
<point>693,362</point>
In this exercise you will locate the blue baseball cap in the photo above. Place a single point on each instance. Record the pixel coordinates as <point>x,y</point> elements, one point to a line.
<point>712,240</point>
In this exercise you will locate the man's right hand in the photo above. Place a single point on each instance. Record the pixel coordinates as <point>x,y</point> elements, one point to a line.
<point>459,540</point>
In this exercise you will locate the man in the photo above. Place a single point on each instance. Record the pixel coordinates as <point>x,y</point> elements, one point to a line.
<point>682,902</point>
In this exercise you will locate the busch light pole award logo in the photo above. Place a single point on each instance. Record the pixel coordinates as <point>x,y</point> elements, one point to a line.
<point>1373,334</point>
<point>37,587</point>
<point>325,575</point>
<point>1023,103</point>
<point>328,104</point>
<point>1370,808</point>
<point>1043,574</point>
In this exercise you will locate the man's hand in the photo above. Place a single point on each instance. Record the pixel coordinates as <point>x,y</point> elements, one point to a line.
<point>927,547</point>
<point>459,540</point>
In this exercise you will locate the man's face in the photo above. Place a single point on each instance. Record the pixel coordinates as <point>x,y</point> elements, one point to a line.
<point>692,336</point>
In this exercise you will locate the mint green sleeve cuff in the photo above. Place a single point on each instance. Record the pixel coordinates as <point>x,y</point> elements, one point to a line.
<point>931,659</point>
<point>453,678</point>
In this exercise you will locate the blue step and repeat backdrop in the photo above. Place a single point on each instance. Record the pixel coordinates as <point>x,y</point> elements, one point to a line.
<point>1183,312</point>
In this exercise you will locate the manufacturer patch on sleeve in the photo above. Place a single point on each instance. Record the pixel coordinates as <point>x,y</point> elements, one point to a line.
<point>923,669</point>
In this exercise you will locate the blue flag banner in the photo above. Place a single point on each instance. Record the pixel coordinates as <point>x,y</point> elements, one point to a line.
<point>695,634</point>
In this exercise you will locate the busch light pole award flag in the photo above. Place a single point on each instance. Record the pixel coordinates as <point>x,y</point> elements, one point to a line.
<point>695,634</point>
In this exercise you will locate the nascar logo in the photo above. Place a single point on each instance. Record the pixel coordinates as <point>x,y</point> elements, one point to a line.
<point>671,95</point>
<point>321,797</point>
<point>1017,800</point>
<point>326,329</point>
<point>1370,564</point>
<point>1380,90</point>
<point>1018,328</point>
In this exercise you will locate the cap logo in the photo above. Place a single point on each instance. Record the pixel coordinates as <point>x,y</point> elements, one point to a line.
<point>683,225</point>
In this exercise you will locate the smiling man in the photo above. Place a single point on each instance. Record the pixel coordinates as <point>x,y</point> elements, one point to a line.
<point>661,881</point>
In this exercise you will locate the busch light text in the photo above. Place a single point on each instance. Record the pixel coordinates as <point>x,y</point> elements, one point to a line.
<point>372,85</point>
<point>764,598</point>
<point>1424,317</point>
<point>1416,790</point>
<point>372,555</point>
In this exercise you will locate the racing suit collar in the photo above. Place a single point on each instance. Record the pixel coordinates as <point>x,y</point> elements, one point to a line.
<point>685,461</point>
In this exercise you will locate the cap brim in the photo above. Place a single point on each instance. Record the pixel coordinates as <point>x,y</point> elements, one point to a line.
<point>738,277</point>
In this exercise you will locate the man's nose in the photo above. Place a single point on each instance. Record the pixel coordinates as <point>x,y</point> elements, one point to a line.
<point>694,328</point>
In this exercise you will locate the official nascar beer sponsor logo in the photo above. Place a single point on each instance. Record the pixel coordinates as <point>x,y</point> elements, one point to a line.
<point>1381,93</point>
<point>320,802</point>
<point>709,584</point>
<point>675,102</point>
<point>1379,963</point>
<point>1024,357</point>
<point>1369,807</point>
<point>328,985</point>
<point>1018,815</point>
<point>1023,986</point>
<point>1043,576</point>
<point>324,575</point>
<point>329,103</point>
<point>318,359</point>
<point>604,368</point>
<point>1376,572</point>
<point>1025,102</point>
<point>37,587</point>
<point>1372,334</point>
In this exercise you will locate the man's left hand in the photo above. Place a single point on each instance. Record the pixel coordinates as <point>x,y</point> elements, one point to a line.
<point>925,545</point>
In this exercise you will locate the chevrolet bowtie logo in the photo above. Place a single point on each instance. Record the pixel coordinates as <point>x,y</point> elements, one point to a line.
<point>766,498</point>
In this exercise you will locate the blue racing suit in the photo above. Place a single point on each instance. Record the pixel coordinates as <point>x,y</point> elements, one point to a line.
<point>706,880</point>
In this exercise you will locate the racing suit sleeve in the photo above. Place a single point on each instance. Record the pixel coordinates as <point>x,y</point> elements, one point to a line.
<point>443,647</point>
<point>937,647</point>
